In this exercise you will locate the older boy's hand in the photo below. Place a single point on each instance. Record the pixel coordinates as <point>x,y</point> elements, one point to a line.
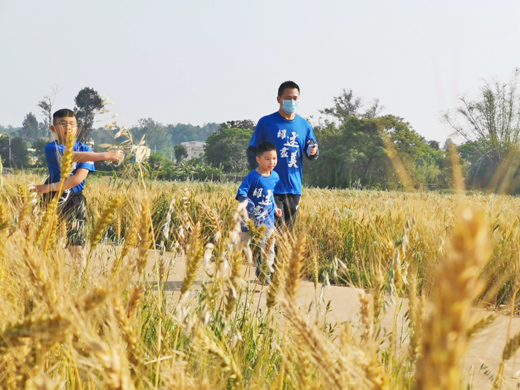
<point>277,212</point>
<point>39,189</point>
<point>313,150</point>
<point>115,155</point>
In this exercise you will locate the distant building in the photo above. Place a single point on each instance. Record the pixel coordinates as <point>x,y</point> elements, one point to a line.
<point>194,148</point>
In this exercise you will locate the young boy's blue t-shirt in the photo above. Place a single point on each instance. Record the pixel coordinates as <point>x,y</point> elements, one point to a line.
<point>290,138</point>
<point>54,152</point>
<point>258,190</point>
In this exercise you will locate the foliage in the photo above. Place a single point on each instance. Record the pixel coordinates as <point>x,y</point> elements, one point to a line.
<point>490,126</point>
<point>156,134</point>
<point>46,105</point>
<point>13,152</point>
<point>181,132</point>
<point>162,137</point>
<point>38,153</point>
<point>162,168</point>
<point>227,149</point>
<point>353,151</point>
<point>346,106</point>
<point>88,104</point>
<point>180,152</point>
<point>30,128</point>
<point>240,124</point>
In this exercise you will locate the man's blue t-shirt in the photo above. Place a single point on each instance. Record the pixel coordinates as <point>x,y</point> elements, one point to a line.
<point>290,138</point>
<point>54,152</point>
<point>258,190</point>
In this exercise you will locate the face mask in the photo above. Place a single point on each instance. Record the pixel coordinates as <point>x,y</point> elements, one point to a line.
<point>290,106</point>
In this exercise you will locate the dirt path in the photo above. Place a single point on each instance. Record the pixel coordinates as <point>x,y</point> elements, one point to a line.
<point>483,356</point>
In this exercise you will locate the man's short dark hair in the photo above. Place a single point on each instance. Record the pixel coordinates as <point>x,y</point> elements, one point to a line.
<point>63,113</point>
<point>265,147</point>
<point>287,84</point>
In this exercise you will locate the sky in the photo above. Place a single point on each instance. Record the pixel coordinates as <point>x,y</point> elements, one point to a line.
<point>203,61</point>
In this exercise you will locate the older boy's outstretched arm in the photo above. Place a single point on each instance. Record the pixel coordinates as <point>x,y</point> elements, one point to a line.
<point>70,182</point>
<point>113,155</point>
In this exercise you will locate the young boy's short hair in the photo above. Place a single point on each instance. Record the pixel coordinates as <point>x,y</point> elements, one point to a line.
<point>265,147</point>
<point>287,84</point>
<point>63,113</point>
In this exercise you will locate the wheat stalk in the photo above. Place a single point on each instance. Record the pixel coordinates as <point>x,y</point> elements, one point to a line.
<point>457,286</point>
<point>294,266</point>
<point>193,259</point>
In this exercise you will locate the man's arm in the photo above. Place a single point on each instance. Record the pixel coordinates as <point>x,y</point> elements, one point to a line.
<point>113,155</point>
<point>70,182</point>
<point>251,158</point>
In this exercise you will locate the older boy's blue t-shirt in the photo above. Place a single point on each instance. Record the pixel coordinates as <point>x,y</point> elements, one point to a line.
<point>259,191</point>
<point>54,152</point>
<point>290,138</point>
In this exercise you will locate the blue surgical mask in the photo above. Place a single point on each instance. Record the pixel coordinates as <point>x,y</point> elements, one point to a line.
<point>290,106</point>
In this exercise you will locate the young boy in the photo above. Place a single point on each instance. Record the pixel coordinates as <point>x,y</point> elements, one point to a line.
<point>72,203</point>
<point>257,189</point>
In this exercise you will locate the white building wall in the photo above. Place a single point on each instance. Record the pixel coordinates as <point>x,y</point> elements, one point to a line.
<point>194,148</point>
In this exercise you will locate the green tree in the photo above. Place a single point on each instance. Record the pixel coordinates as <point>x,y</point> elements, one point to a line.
<point>240,124</point>
<point>88,104</point>
<point>227,148</point>
<point>185,132</point>
<point>346,106</point>
<point>13,151</point>
<point>157,136</point>
<point>30,127</point>
<point>180,153</point>
<point>38,153</point>
<point>353,151</point>
<point>490,127</point>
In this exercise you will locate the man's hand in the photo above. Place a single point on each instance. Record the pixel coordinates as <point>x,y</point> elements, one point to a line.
<point>313,150</point>
<point>277,212</point>
<point>115,155</point>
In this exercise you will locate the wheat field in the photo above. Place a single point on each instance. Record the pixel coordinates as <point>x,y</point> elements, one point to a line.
<point>122,325</point>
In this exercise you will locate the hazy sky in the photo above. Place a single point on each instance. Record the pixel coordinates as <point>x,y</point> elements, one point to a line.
<point>205,61</point>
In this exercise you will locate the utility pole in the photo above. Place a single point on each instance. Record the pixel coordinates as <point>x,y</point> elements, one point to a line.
<point>10,157</point>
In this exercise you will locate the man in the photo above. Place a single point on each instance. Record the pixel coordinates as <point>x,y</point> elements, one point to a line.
<point>293,138</point>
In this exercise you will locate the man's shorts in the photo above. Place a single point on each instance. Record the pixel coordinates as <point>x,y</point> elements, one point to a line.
<point>72,207</point>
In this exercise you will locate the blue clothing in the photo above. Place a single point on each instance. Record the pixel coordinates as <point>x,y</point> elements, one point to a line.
<point>54,152</point>
<point>258,191</point>
<point>290,138</point>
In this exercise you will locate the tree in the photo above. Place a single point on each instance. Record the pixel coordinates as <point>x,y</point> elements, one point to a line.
<point>227,148</point>
<point>46,106</point>
<point>490,127</point>
<point>346,105</point>
<point>30,127</point>
<point>353,151</point>
<point>180,153</point>
<point>39,152</point>
<point>157,136</point>
<point>185,132</point>
<point>13,152</point>
<point>88,104</point>
<point>240,124</point>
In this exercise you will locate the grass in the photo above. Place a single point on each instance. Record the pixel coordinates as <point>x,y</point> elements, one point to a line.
<point>441,254</point>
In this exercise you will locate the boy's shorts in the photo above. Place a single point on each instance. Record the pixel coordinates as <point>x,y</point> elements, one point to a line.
<point>72,207</point>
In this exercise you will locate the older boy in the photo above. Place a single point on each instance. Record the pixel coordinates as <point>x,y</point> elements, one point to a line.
<point>72,203</point>
<point>257,190</point>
